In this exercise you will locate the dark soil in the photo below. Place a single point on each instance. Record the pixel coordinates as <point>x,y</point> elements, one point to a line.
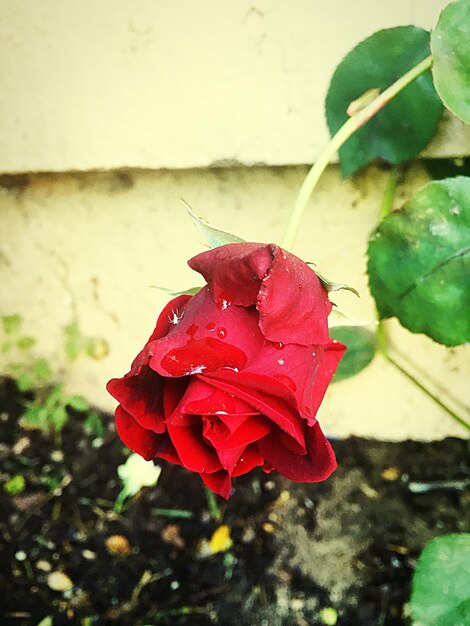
<point>349,544</point>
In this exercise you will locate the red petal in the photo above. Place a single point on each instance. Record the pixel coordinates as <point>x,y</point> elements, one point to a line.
<point>140,440</point>
<point>234,272</point>
<point>207,338</point>
<point>292,303</point>
<point>141,396</point>
<point>277,411</point>
<point>202,398</point>
<point>193,452</point>
<point>334,352</point>
<point>218,482</point>
<point>316,465</point>
<point>252,429</point>
<point>250,459</point>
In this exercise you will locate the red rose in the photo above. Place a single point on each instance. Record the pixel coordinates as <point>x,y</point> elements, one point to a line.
<point>232,377</point>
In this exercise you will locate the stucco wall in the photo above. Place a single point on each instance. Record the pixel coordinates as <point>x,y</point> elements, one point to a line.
<point>91,247</point>
<point>179,83</point>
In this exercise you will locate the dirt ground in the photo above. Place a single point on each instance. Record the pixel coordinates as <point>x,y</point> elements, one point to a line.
<point>340,552</point>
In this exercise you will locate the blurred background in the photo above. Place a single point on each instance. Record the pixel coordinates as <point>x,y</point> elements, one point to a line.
<point>110,113</point>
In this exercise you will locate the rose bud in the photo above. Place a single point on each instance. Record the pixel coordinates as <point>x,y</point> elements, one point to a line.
<point>232,377</point>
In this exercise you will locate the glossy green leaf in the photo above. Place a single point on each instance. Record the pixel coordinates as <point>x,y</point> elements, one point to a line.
<point>450,46</point>
<point>360,351</point>
<point>406,124</point>
<point>441,584</point>
<point>214,237</point>
<point>419,262</point>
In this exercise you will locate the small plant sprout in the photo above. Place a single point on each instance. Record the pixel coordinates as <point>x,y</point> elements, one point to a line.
<point>135,474</point>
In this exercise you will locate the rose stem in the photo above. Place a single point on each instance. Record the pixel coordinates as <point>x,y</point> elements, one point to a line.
<point>381,334</point>
<point>356,121</point>
<point>213,506</point>
<point>382,344</point>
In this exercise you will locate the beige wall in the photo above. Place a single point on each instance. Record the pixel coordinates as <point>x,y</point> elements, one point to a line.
<point>91,246</point>
<point>164,85</point>
<point>180,83</point>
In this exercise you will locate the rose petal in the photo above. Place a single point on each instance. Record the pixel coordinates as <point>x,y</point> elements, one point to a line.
<point>141,396</point>
<point>207,339</point>
<point>273,408</point>
<point>193,452</point>
<point>288,373</point>
<point>218,482</point>
<point>234,272</point>
<point>292,303</point>
<point>202,398</point>
<point>334,352</point>
<point>139,439</point>
<point>250,459</point>
<point>316,465</point>
<point>140,391</point>
<point>252,429</point>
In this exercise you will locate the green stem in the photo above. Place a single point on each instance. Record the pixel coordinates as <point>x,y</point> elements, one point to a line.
<point>382,344</point>
<point>387,203</point>
<point>353,124</point>
<point>213,506</point>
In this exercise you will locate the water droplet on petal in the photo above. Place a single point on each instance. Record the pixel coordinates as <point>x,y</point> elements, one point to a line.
<point>281,361</point>
<point>278,345</point>
<point>221,332</point>
<point>210,326</point>
<point>192,330</point>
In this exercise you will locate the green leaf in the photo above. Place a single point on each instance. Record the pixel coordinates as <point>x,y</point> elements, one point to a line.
<point>419,262</point>
<point>330,286</point>
<point>41,369</point>
<point>24,343</point>
<point>441,590</point>
<point>213,236</point>
<point>191,291</point>
<point>77,403</point>
<point>73,340</point>
<point>58,418</point>
<point>360,351</point>
<point>94,425</point>
<point>35,416</point>
<point>25,382</point>
<point>400,130</point>
<point>15,485</point>
<point>11,324</point>
<point>450,46</point>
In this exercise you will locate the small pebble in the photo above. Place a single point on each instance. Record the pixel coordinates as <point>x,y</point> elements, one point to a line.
<point>44,566</point>
<point>391,473</point>
<point>57,456</point>
<point>268,528</point>
<point>89,554</point>
<point>118,544</point>
<point>58,581</point>
<point>297,604</point>
<point>21,556</point>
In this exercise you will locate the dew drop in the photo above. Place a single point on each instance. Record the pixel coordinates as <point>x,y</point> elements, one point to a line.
<point>210,326</point>
<point>281,361</point>
<point>192,330</point>
<point>278,345</point>
<point>223,304</point>
<point>221,332</point>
